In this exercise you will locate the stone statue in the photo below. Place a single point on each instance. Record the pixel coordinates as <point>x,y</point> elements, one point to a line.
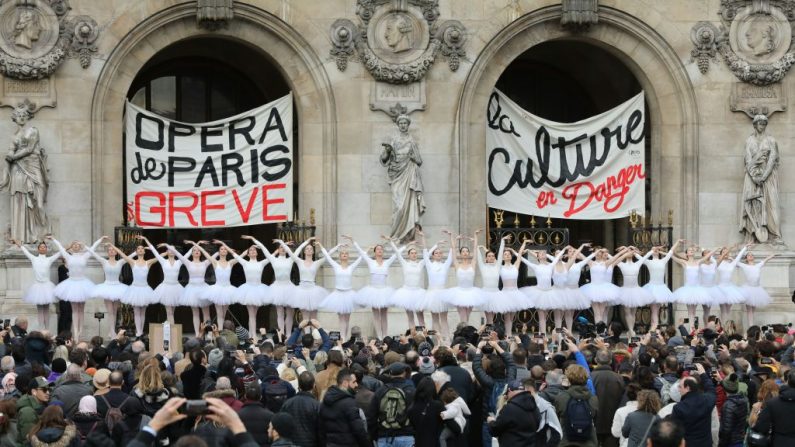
<point>759,219</point>
<point>761,36</point>
<point>401,156</point>
<point>25,177</point>
<point>398,33</point>
<point>27,29</point>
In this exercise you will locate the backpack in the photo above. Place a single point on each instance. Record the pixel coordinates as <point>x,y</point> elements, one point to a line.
<point>83,437</point>
<point>114,414</point>
<point>665,391</point>
<point>393,409</point>
<point>579,420</point>
<point>275,393</point>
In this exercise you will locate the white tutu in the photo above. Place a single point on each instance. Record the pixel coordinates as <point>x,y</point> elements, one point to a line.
<point>634,297</point>
<point>434,301</point>
<point>281,292</point>
<point>192,295</point>
<point>375,297</point>
<point>730,294</point>
<point>74,290</point>
<point>169,294</point>
<point>755,296</point>
<point>508,300</point>
<point>221,294</point>
<point>715,294</point>
<point>139,296</point>
<point>660,292</point>
<point>40,293</point>
<point>575,299</point>
<point>109,291</point>
<point>692,295</point>
<point>309,296</point>
<point>543,299</point>
<point>464,297</point>
<point>409,298</point>
<point>601,293</point>
<point>249,294</point>
<point>340,301</point>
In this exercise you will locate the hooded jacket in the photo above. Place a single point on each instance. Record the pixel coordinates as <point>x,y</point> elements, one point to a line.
<point>341,422</point>
<point>517,423</point>
<point>153,400</point>
<point>228,396</point>
<point>562,401</point>
<point>70,393</point>
<point>694,412</point>
<point>56,437</point>
<point>733,420</point>
<point>776,417</point>
<point>28,411</point>
<point>373,427</point>
<point>304,409</point>
<point>609,389</point>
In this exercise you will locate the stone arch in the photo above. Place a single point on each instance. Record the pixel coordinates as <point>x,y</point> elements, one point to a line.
<point>276,40</point>
<point>674,135</point>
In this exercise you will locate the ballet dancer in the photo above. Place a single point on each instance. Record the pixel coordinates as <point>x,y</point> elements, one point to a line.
<point>253,293</point>
<point>437,271</point>
<point>573,300</point>
<point>342,300</point>
<point>42,292</point>
<point>222,293</point>
<point>377,295</point>
<point>77,288</point>
<point>708,270</point>
<point>601,291</point>
<point>730,293</point>
<point>139,294</point>
<point>282,288</point>
<point>631,294</point>
<point>515,299</point>
<point>308,295</point>
<point>494,300</point>
<point>656,286</point>
<point>754,294</point>
<point>411,296</point>
<point>544,297</point>
<point>464,296</point>
<point>169,292</point>
<point>193,293</point>
<point>691,293</point>
<point>111,290</point>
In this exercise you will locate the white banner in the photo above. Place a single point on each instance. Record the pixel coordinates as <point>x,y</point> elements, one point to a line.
<point>230,172</point>
<point>591,169</point>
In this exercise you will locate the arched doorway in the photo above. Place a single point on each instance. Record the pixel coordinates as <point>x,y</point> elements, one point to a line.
<point>200,80</point>
<point>549,80</point>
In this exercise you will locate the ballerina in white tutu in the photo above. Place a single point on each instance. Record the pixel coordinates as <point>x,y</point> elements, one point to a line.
<point>342,300</point>
<point>601,291</point>
<point>169,291</point>
<point>729,293</point>
<point>656,286</point>
<point>253,293</point>
<point>691,293</point>
<point>377,295</point>
<point>411,296</point>
<point>138,294</point>
<point>514,299</point>
<point>193,293</point>
<point>111,290</point>
<point>708,272</point>
<point>573,299</point>
<point>543,296</point>
<point>631,294</point>
<point>222,293</point>
<point>308,295</point>
<point>755,295</point>
<point>282,288</point>
<point>77,288</point>
<point>464,296</point>
<point>42,291</point>
<point>437,271</point>
<point>493,298</point>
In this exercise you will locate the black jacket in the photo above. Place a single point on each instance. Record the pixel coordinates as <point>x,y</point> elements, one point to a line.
<point>373,427</point>
<point>518,421</point>
<point>733,420</point>
<point>461,382</point>
<point>777,416</point>
<point>192,381</point>
<point>304,409</point>
<point>341,423</point>
<point>694,412</point>
<point>609,389</point>
<point>488,383</point>
<point>256,419</point>
<point>145,439</point>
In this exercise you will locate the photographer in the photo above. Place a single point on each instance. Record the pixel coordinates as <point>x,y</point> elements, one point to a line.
<point>308,341</point>
<point>694,411</point>
<point>499,370</point>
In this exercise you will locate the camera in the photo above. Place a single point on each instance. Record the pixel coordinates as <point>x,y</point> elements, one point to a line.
<point>334,335</point>
<point>419,328</point>
<point>195,408</point>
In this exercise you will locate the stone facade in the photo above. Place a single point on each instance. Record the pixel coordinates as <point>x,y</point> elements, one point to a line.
<point>696,138</point>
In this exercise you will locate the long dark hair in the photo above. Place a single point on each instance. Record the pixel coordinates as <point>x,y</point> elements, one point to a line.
<point>425,392</point>
<point>51,417</point>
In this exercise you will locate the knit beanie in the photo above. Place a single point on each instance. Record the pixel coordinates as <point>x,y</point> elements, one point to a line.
<point>731,384</point>
<point>284,425</point>
<point>391,357</point>
<point>214,358</point>
<point>59,365</point>
<point>427,366</point>
<point>242,334</point>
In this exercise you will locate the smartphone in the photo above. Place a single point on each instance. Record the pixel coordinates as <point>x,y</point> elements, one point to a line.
<point>195,408</point>
<point>432,332</point>
<point>488,328</point>
<point>538,335</point>
<point>358,340</point>
<point>166,344</point>
<point>334,335</point>
<point>695,323</point>
<point>7,323</point>
<point>766,361</point>
<point>635,340</point>
<point>290,354</point>
<point>559,330</point>
<point>687,320</point>
<point>419,328</point>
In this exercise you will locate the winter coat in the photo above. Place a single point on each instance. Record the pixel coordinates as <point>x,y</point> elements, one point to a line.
<point>550,393</point>
<point>192,381</point>
<point>56,437</point>
<point>145,439</point>
<point>256,418</point>
<point>461,382</point>
<point>609,389</point>
<point>488,383</point>
<point>733,420</point>
<point>153,400</point>
<point>87,423</point>
<point>618,421</point>
<point>28,412</point>
<point>70,394</point>
<point>113,398</point>
<point>213,434</point>
<point>426,418</point>
<point>228,396</point>
<point>341,422</point>
<point>776,417</point>
<point>458,411</point>
<point>636,428</point>
<point>373,427</point>
<point>9,438</point>
<point>518,421</point>
<point>282,442</point>
<point>305,410</point>
<point>694,412</point>
<point>562,401</point>
<point>36,350</point>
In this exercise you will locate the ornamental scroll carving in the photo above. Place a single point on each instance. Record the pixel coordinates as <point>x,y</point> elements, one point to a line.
<point>755,40</point>
<point>36,36</point>
<point>397,40</point>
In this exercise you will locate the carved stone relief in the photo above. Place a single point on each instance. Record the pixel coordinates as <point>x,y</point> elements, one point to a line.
<point>214,14</point>
<point>579,14</point>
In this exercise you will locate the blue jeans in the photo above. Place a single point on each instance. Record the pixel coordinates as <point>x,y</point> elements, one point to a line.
<point>486,435</point>
<point>398,441</point>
